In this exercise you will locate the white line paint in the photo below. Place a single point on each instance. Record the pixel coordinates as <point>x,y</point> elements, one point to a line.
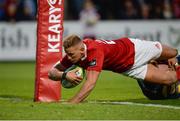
<point>136,104</point>
<point>10,98</point>
<point>113,102</point>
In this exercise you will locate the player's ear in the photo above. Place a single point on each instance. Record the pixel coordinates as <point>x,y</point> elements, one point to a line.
<point>82,50</point>
<point>82,47</point>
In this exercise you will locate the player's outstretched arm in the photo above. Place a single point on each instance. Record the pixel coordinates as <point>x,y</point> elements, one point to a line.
<point>56,72</point>
<point>87,87</point>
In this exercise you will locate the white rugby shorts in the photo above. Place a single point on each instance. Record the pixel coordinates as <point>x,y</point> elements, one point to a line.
<point>144,52</point>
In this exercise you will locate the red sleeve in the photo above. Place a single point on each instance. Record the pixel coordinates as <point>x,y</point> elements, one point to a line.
<point>65,62</point>
<point>96,59</point>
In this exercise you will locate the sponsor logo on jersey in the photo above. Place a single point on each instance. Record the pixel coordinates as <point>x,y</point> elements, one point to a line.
<point>92,63</point>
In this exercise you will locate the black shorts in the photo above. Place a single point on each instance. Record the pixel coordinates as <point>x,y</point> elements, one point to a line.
<point>158,91</point>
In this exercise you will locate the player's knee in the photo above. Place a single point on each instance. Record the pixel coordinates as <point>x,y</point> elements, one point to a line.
<point>168,52</point>
<point>174,52</point>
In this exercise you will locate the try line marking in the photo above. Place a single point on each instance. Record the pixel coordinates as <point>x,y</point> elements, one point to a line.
<point>113,103</point>
<point>136,104</point>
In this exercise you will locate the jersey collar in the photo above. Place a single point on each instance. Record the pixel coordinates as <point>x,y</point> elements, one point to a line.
<point>85,55</point>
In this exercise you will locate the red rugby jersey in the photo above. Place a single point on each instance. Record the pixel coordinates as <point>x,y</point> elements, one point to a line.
<point>114,55</point>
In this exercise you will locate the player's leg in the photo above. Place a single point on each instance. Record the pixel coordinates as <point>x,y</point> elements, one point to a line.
<point>167,52</point>
<point>146,51</point>
<point>156,75</point>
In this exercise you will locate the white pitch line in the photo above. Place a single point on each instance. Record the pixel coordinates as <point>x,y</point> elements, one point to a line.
<point>116,103</point>
<point>136,104</point>
<point>10,98</point>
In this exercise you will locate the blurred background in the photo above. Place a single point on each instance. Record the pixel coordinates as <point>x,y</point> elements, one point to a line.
<point>155,20</point>
<point>25,10</point>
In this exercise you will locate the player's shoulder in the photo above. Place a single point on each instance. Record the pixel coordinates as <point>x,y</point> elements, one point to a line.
<point>93,46</point>
<point>87,40</point>
<point>90,43</point>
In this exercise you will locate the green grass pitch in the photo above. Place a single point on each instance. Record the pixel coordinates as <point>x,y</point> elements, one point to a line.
<point>17,91</point>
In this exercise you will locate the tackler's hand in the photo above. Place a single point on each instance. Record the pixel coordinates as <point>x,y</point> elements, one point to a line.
<point>172,62</point>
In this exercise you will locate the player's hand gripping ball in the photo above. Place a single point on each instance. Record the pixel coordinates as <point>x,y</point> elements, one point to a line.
<point>79,72</point>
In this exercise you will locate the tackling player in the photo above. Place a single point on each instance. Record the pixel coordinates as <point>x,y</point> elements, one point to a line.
<point>125,55</point>
<point>156,91</point>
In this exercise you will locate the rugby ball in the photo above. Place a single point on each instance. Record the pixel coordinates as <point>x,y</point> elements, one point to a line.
<point>79,72</point>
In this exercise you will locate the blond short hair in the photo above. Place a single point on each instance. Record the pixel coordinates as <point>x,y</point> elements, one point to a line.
<point>70,41</point>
